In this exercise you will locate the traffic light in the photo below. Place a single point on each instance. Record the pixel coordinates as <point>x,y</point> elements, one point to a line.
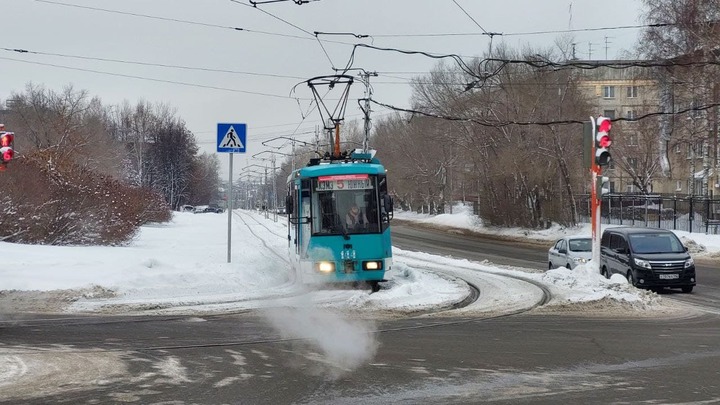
<point>6,145</point>
<point>602,141</point>
<point>602,186</point>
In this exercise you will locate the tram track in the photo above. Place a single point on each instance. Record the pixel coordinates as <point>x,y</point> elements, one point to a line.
<point>262,240</point>
<point>544,297</point>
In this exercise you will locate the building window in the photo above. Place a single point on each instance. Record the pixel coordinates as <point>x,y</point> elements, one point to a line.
<point>612,186</point>
<point>630,188</point>
<point>632,140</point>
<point>630,115</point>
<point>609,114</point>
<point>632,91</point>
<point>678,149</point>
<point>632,163</point>
<point>678,185</point>
<point>609,91</point>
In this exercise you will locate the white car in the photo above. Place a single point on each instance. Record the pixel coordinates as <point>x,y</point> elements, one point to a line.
<point>569,252</point>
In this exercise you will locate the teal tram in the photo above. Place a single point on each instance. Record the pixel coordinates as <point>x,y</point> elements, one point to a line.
<point>339,213</point>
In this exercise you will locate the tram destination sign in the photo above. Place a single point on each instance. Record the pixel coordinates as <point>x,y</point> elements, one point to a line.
<point>344,182</point>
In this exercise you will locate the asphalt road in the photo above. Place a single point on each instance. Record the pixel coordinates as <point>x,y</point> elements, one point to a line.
<point>533,255</point>
<point>242,359</point>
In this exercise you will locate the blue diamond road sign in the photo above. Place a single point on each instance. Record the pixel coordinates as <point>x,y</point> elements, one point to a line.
<point>231,138</point>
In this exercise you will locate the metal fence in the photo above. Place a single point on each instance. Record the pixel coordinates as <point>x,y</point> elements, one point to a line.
<point>686,213</point>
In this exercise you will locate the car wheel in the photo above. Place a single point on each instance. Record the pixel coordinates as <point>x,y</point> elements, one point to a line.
<point>567,266</point>
<point>687,289</point>
<point>604,272</point>
<point>630,278</point>
<point>550,266</point>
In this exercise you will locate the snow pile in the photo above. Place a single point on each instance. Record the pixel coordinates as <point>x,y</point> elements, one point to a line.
<point>410,290</point>
<point>584,284</point>
<point>462,218</point>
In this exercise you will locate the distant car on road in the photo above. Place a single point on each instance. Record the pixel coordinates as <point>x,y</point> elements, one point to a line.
<point>187,208</point>
<point>215,208</point>
<point>200,209</point>
<point>570,251</point>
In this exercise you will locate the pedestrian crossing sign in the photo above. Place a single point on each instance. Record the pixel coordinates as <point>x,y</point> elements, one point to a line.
<point>231,138</point>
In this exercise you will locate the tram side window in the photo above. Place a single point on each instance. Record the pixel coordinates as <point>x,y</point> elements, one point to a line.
<point>372,211</point>
<point>326,217</point>
<point>382,192</point>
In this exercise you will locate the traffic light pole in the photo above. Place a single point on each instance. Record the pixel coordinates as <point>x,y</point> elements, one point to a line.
<point>599,157</point>
<point>595,205</point>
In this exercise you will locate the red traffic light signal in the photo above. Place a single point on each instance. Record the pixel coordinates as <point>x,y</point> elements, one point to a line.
<point>6,146</point>
<point>602,141</point>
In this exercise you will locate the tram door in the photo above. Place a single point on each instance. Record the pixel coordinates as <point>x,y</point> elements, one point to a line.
<point>305,213</point>
<point>298,208</point>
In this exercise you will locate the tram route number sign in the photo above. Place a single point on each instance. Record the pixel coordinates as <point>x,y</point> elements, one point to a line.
<point>344,182</point>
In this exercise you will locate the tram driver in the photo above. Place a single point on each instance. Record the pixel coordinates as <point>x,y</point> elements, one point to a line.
<point>355,218</point>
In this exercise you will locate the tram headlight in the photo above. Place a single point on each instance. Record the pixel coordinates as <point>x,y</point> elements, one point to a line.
<point>372,265</point>
<point>325,267</point>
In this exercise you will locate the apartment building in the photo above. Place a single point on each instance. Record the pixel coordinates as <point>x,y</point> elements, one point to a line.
<point>679,159</point>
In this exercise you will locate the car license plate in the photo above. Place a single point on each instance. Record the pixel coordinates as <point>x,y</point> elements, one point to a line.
<point>669,276</point>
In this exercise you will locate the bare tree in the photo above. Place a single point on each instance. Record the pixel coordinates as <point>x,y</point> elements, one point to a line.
<point>521,175</point>
<point>69,125</point>
<point>686,35</point>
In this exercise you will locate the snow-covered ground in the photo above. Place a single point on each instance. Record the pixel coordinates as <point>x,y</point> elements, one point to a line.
<point>181,267</point>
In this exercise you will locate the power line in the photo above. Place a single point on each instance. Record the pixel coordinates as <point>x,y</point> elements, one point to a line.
<point>298,2</point>
<point>502,124</point>
<point>509,34</point>
<point>485,32</point>
<point>152,79</point>
<point>149,64</point>
<point>275,17</point>
<point>175,20</point>
<point>292,25</point>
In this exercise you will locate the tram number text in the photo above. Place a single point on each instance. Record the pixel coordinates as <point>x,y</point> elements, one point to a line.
<point>332,185</point>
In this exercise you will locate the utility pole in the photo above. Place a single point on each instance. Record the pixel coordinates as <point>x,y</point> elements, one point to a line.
<point>365,78</point>
<point>607,45</point>
<point>590,50</point>
<point>274,188</point>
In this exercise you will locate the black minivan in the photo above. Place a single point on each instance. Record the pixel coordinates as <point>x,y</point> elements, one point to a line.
<point>648,257</point>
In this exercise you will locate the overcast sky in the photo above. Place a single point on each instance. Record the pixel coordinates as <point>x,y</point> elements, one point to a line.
<point>263,63</point>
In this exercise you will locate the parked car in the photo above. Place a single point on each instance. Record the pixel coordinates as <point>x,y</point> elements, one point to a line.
<point>214,208</point>
<point>647,257</point>
<point>199,209</point>
<point>187,208</point>
<point>570,251</point>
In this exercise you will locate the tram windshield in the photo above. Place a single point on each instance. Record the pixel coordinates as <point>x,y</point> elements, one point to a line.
<point>345,204</point>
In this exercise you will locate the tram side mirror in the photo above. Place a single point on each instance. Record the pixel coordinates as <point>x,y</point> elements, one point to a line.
<point>388,206</point>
